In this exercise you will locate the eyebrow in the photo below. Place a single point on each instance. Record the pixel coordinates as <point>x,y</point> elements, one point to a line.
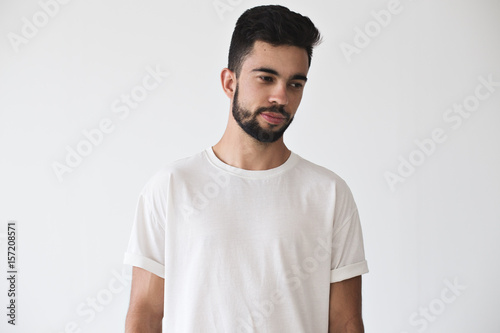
<point>272,71</point>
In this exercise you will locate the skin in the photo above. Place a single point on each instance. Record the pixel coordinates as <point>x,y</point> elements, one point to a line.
<point>345,307</point>
<point>145,311</point>
<point>259,91</point>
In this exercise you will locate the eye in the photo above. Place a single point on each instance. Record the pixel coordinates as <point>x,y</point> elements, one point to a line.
<point>297,85</point>
<point>266,78</point>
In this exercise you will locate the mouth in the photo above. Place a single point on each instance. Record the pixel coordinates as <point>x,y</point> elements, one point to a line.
<point>273,117</point>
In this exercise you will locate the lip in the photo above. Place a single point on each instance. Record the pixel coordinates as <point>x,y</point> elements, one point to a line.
<point>271,119</point>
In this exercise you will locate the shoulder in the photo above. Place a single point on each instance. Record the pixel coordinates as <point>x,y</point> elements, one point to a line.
<point>333,186</point>
<point>181,167</point>
<point>316,172</point>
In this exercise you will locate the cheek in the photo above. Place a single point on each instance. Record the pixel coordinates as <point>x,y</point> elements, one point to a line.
<point>295,100</point>
<point>254,96</point>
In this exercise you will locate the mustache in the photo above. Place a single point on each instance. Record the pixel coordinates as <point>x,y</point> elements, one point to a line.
<point>276,109</point>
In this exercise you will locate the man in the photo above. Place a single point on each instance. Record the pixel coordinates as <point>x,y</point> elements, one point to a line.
<point>247,236</point>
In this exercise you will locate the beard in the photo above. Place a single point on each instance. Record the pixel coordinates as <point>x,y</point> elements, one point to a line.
<point>249,123</point>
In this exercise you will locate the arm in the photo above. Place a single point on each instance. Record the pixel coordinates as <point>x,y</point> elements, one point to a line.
<point>145,311</point>
<point>345,307</point>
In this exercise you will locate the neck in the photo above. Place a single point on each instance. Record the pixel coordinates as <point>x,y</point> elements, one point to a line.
<point>238,149</point>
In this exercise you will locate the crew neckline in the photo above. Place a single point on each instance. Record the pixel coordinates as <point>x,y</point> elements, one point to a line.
<point>253,174</point>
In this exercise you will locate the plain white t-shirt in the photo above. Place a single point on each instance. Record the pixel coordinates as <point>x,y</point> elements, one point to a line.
<point>246,250</point>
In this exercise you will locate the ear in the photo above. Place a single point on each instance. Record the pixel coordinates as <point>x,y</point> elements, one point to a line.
<point>228,81</point>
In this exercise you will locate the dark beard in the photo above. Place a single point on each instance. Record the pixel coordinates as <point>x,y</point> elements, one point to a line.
<point>249,123</point>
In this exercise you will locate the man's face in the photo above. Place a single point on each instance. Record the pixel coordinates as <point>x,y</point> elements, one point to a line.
<point>269,90</point>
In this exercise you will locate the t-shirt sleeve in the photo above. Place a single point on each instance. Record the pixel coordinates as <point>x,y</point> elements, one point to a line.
<point>146,247</point>
<point>348,255</point>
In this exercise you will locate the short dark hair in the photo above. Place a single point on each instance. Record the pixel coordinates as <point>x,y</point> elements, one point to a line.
<point>273,24</point>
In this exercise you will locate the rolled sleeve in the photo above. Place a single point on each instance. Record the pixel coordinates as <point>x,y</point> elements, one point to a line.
<point>146,247</point>
<point>348,255</point>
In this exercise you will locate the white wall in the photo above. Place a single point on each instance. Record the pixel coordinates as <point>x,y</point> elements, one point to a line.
<point>362,111</point>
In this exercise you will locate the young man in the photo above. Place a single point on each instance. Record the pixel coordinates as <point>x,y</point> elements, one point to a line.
<point>247,236</point>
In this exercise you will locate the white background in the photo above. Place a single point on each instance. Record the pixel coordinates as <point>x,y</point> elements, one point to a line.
<point>360,114</point>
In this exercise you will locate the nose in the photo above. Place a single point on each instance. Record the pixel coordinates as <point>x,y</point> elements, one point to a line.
<point>279,95</point>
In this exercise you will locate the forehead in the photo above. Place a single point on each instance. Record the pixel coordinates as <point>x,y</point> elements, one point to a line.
<point>287,60</point>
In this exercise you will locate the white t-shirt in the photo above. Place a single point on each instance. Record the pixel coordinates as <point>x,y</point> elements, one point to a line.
<point>246,250</point>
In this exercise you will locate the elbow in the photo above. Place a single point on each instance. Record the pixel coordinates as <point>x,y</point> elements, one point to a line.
<point>351,325</point>
<point>140,321</point>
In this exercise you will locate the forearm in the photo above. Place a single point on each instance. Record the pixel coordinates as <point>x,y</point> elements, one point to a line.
<point>354,325</point>
<point>142,323</point>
